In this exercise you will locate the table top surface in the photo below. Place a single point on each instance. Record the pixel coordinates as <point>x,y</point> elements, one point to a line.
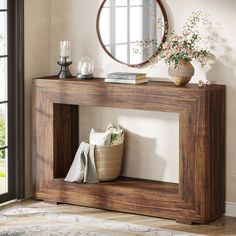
<point>152,83</point>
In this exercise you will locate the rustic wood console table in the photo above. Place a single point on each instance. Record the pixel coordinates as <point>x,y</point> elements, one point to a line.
<point>199,196</point>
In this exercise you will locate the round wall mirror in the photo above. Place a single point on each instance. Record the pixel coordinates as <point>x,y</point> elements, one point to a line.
<point>123,24</point>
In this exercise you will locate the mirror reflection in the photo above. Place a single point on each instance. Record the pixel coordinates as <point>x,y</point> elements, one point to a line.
<point>123,24</point>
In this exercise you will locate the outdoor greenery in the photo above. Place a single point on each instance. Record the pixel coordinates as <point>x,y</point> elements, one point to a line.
<point>2,135</point>
<point>2,123</point>
<point>2,132</point>
<point>2,175</point>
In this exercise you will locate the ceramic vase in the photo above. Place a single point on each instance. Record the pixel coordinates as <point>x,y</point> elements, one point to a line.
<point>182,73</point>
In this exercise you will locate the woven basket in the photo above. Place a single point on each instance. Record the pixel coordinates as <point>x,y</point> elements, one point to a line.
<point>108,161</point>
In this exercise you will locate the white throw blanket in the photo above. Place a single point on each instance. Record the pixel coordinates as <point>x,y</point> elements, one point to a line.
<point>83,168</point>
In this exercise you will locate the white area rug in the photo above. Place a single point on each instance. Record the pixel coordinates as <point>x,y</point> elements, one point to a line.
<point>31,222</point>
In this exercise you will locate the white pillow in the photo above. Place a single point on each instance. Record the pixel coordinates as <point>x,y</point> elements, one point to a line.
<point>99,138</point>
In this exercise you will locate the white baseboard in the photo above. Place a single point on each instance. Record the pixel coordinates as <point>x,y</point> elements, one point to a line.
<point>230,209</point>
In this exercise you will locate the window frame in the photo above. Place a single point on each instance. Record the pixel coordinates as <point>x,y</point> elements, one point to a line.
<point>15,81</point>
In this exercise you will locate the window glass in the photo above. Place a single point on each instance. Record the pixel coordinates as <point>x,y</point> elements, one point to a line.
<point>121,53</point>
<point>121,25</point>
<point>3,79</point>
<point>121,2</point>
<point>3,33</point>
<point>135,24</point>
<point>136,2</point>
<point>3,125</point>
<point>3,171</point>
<point>3,4</point>
<point>3,152</point>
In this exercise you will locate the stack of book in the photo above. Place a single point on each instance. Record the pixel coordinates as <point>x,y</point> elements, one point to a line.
<point>126,78</point>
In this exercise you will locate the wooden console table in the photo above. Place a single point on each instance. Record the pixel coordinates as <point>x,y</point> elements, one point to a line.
<point>199,196</point>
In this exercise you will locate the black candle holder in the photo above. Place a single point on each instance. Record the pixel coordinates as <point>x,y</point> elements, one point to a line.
<point>64,72</point>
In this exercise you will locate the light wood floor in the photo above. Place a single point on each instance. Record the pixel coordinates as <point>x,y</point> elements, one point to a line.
<point>222,226</point>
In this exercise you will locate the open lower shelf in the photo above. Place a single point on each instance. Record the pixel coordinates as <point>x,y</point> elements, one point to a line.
<point>124,194</point>
<point>162,188</point>
<point>123,184</point>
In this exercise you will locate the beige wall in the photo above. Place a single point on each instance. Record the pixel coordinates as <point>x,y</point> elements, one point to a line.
<point>152,147</point>
<point>37,63</point>
<point>75,20</point>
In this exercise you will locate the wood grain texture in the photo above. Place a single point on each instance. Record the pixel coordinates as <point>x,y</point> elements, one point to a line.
<point>65,137</point>
<point>200,195</point>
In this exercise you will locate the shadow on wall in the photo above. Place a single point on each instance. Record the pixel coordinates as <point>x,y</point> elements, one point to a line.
<point>223,71</point>
<point>136,168</point>
<point>148,138</point>
<point>223,62</point>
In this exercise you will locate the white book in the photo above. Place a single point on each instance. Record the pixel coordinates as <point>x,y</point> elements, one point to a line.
<point>127,81</point>
<point>126,75</point>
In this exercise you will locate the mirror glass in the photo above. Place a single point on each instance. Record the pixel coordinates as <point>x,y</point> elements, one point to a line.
<point>123,24</point>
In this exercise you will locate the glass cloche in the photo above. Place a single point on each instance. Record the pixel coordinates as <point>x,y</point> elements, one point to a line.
<point>85,68</point>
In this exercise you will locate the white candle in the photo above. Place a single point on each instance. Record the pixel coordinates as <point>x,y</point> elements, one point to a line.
<point>65,49</point>
<point>85,69</point>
